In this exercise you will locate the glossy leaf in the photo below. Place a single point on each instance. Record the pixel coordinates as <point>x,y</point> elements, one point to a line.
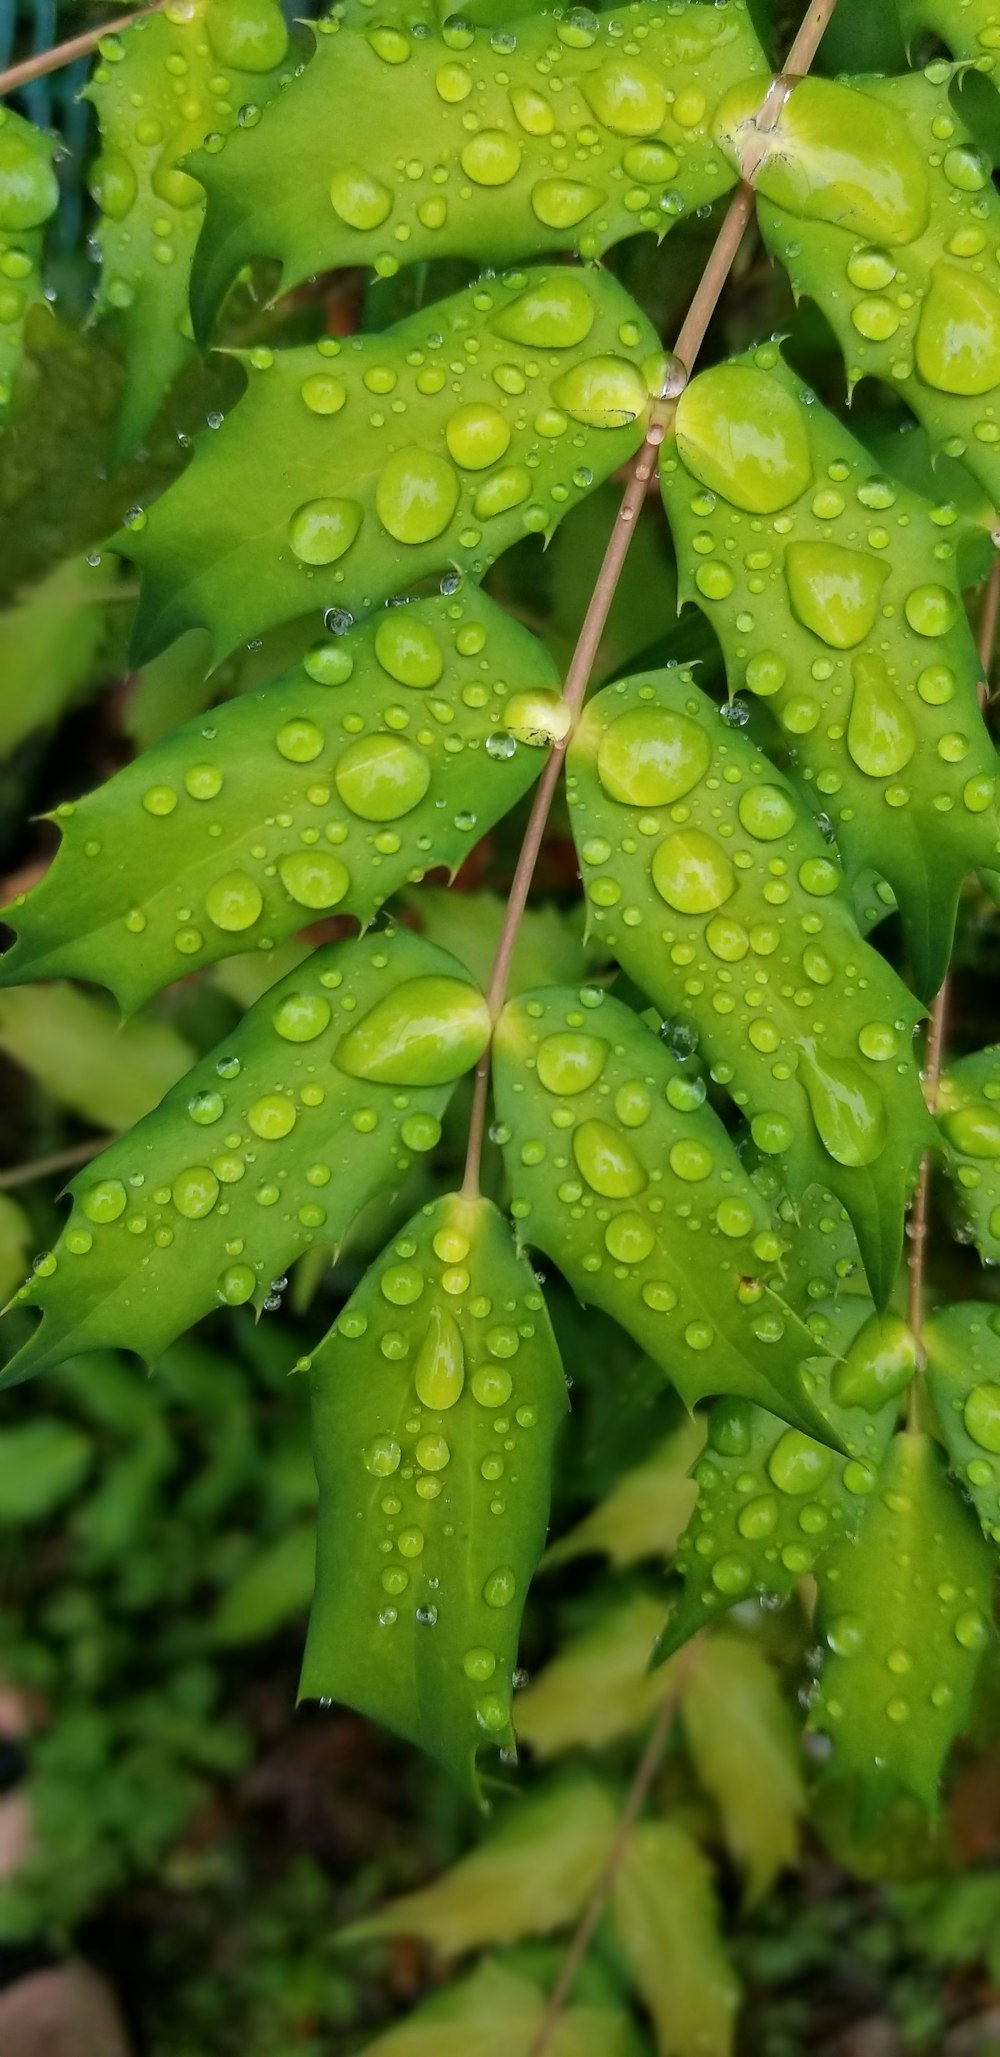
<point>436,1399</point>
<point>772,1501</point>
<point>745,1750</point>
<point>646,1511</point>
<point>599,1687</point>
<point>498,2013</point>
<point>531,1876</point>
<point>320,491</point>
<point>29,195</point>
<point>163,85</point>
<point>51,642</point>
<point>710,882</point>
<point>905,1614</point>
<point>666,1922</point>
<point>279,1137</point>
<point>969,1118</point>
<point>15,1242</point>
<point>327,790</point>
<point>72,1044</point>
<point>836,597</point>
<point>963,1373</point>
<point>970,28</point>
<point>624,1176</point>
<point>880,205</point>
<point>556,135</point>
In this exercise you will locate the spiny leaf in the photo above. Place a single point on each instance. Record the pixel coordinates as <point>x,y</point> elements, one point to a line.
<point>905,1612</point>
<point>835,594</point>
<point>292,801</point>
<point>316,1103</point>
<point>71,1042</point>
<point>51,641</point>
<point>625,1177</point>
<point>436,1399</point>
<point>963,1372</point>
<point>969,1117</point>
<point>29,194</point>
<point>319,490</point>
<point>771,1501</point>
<point>497,2013</point>
<point>531,1876</point>
<point>667,1924</point>
<point>599,1686</point>
<point>745,1749</point>
<point>646,1511</point>
<point>559,133</point>
<point>160,88</point>
<point>880,206</point>
<point>712,885</point>
<point>971,28</point>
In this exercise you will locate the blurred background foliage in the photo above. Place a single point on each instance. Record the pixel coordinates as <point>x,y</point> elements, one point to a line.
<point>191,1833</point>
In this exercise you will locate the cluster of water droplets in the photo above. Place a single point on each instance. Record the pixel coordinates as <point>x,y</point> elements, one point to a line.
<point>969,1115</point>
<point>29,195</point>
<point>963,1351</point>
<point>331,1085</point>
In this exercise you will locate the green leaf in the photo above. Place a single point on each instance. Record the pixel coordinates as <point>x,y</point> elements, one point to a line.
<point>646,1511</point>
<point>51,641</point>
<point>531,1876</point>
<point>563,136</point>
<point>963,1373</point>
<point>745,1750</point>
<point>971,28</point>
<point>29,194</point>
<point>549,941</point>
<point>300,501</point>
<point>599,1686</point>
<point>160,88</point>
<point>667,1923</point>
<point>859,642</point>
<point>108,1072</point>
<point>772,1501</point>
<point>274,1588</point>
<point>42,1464</point>
<point>969,1119</point>
<point>497,2013</point>
<point>317,1101</point>
<point>734,921</point>
<point>892,235</point>
<point>905,1614</point>
<point>329,789</point>
<point>16,1236</point>
<point>436,1399</point>
<point>625,1177</point>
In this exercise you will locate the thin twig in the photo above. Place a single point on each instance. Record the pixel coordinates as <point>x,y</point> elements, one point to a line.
<point>689,341</point>
<point>61,1160</point>
<point>937,1031</point>
<point>64,53</point>
<point>646,1770</point>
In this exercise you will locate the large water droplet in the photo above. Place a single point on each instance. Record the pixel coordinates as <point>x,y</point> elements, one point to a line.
<point>569,1062</point>
<point>974,1130</point>
<point>833,155</point>
<point>982,1417</point>
<point>742,435</point>
<point>381,777</point>
<point>416,495</point>
<point>602,393</point>
<point>847,1107</point>
<point>608,1163</point>
<point>314,878</point>
<point>692,873</point>
<point>360,199</point>
<point>958,341</point>
<point>320,531</point>
<point>553,314</point>
<point>880,733</point>
<point>427,1032</point>
<point>491,158</point>
<point>234,901</point>
<point>248,35</point>
<point>650,756</point>
<point>628,97</point>
<point>834,592</point>
<point>879,1364</point>
<point>408,649</point>
<point>797,1465</point>
<point>477,435</point>
<point>439,1368</point>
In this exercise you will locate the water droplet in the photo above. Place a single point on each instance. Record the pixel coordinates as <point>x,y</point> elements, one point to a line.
<point>602,393</point>
<point>649,757</point>
<point>320,531</point>
<point>427,1032</point>
<point>382,777</point>
<point>537,718</point>
<point>982,1416</point>
<point>439,1368</point>
<point>491,158</point>
<point>880,735</point>
<point>272,1116</point>
<point>477,435</point>
<point>569,1063</point>
<point>314,878</point>
<point>833,156</point>
<point>479,1664</point>
<point>105,1201</point>
<point>629,1238</point>
<point>564,203</point>
<point>741,434</point>
<point>834,592</point>
<point>797,1465</point>
<point>629,98</point>
<point>692,873</point>
<point>879,1364</point>
<point>416,495</point>
<point>847,1106</point>
<point>958,340</point>
<point>500,1586</point>
<point>766,812</point>
<point>360,200</point>
<point>195,1192</point>
<point>301,1017</point>
<point>554,313</point>
<point>608,1163</point>
<point>491,1385</point>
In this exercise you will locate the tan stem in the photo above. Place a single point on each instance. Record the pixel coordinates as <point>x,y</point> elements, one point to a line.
<point>61,1160</point>
<point>937,1030</point>
<point>689,342</point>
<point>64,53</point>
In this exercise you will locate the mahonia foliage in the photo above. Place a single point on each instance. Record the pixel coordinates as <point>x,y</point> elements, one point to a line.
<point>880,204</point>
<point>434,1481</point>
<point>566,132</point>
<point>389,748</point>
<point>29,195</point>
<point>348,471</point>
<point>175,80</point>
<point>678,820</point>
<point>835,594</point>
<point>719,1155</point>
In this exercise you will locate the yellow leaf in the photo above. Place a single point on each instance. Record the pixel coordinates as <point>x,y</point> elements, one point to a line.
<point>600,1687</point>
